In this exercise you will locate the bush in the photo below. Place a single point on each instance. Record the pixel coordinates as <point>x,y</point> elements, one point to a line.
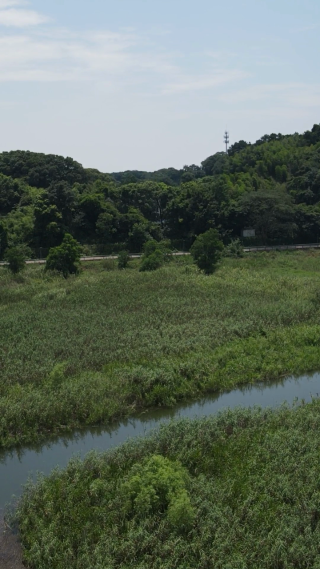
<point>65,258</point>
<point>234,249</point>
<point>207,250</point>
<point>155,254</point>
<point>123,259</point>
<point>158,485</point>
<point>16,258</point>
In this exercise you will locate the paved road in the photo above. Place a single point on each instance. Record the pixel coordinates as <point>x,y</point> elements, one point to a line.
<point>92,258</point>
<point>283,247</point>
<point>181,253</point>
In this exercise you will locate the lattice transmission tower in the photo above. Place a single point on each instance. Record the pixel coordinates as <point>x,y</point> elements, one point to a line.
<point>226,140</point>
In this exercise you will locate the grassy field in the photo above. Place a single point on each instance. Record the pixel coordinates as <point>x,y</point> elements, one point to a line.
<point>237,491</point>
<point>108,343</point>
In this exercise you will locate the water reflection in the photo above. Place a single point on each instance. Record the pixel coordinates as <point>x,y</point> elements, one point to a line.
<point>16,466</point>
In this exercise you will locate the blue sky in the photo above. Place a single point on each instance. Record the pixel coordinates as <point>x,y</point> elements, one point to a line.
<point>146,84</point>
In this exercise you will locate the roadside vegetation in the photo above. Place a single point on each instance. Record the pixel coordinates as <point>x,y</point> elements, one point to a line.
<point>108,343</point>
<point>234,491</point>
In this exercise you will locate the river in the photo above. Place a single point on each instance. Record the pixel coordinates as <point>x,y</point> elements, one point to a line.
<point>18,465</point>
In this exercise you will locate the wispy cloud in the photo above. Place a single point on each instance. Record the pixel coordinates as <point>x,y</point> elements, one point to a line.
<point>59,55</point>
<point>20,18</point>
<point>52,54</point>
<point>15,13</point>
<point>10,3</point>
<point>213,78</point>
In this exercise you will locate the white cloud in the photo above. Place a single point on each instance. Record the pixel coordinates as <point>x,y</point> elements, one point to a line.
<point>10,3</point>
<point>53,54</point>
<point>19,18</point>
<point>112,58</point>
<point>16,13</point>
<point>63,56</point>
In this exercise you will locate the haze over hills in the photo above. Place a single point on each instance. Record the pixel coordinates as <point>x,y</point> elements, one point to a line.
<point>272,186</point>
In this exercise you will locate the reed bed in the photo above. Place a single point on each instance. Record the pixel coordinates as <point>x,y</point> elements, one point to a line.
<point>248,479</point>
<point>102,345</point>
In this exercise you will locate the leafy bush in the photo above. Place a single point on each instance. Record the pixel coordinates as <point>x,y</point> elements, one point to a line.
<point>234,249</point>
<point>123,259</point>
<point>65,258</point>
<point>207,250</point>
<point>16,258</point>
<point>155,254</point>
<point>158,485</point>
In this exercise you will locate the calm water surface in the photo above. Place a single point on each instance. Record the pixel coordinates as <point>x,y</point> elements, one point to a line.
<point>17,466</point>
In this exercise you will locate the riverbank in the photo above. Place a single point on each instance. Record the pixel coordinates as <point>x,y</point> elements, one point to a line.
<point>245,481</point>
<point>10,548</point>
<point>109,343</point>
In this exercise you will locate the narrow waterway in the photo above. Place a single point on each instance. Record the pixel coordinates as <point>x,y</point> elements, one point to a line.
<point>17,466</point>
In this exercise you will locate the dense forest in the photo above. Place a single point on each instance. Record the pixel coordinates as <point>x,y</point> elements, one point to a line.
<point>272,186</point>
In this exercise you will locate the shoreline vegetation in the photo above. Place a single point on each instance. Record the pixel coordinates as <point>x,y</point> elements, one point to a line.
<point>237,490</point>
<point>109,343</point>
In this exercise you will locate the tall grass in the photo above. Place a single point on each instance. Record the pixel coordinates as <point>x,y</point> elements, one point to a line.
<point>102,345</point>
<point>251,483</point>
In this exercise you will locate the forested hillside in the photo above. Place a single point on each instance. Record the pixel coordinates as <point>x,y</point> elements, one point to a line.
<point>272,186</point>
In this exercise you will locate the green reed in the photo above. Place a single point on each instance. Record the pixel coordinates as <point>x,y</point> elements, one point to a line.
<point>104,344</point>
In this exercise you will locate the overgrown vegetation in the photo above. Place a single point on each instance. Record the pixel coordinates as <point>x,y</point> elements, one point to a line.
<point>246,481</point>
<point>108,343</point>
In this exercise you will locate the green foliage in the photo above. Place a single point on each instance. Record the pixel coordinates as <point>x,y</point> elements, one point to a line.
<point>123,259</point>
<point>207,250</point>
<point>158,486</point>
<point>57,376</point>
<point>15,258</point>
<point>40,170</point>
<point>3,240</point>
<point>170,335</point>
<point>234,249</point>
<point>248,478</point>
<point>154,255</point>
<point>272,185</point>
<point>65,258</point>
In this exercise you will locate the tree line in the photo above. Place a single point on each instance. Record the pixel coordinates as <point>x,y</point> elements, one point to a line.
<point>272,186</point>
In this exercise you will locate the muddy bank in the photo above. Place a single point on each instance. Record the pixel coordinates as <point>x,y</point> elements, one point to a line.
<point>10,548</point>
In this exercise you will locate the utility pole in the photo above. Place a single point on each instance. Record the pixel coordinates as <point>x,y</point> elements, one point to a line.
<point>226,140</point>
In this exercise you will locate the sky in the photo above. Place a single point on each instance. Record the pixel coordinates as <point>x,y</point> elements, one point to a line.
<point>149,84</point>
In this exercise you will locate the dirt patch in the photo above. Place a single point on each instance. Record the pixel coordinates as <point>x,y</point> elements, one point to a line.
<point>10,548</point>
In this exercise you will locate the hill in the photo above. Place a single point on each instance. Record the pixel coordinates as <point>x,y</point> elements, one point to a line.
<point>272,186</point>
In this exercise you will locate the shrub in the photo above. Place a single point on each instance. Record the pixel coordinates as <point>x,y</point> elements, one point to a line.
<point>207,250</point>
<point>16,258</point>
<point>65,258</point>
<point>155,253</point>
<point>123,259</point>
<point>158,485</point>
<point>234,249</point>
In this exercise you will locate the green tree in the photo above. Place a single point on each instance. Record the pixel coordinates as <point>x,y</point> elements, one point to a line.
<point>65,258</point>
<point>3,240</point>
<point>271,213</point>
<point>16,258</point>
<point>155,254</point>
<point>123,259</point>
<point>207,250</point>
